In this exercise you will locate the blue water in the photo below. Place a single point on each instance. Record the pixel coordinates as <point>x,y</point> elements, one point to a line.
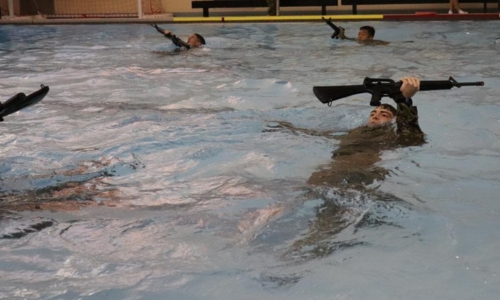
<point>201,196</point>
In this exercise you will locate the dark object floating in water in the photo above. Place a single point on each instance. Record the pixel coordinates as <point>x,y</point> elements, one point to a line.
<point>20,101</point>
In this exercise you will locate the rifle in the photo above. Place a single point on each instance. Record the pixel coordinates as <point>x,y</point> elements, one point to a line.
<point>20,101</point>
<point>381,87</point>
<point>335,34</point>
<point>175,40</point>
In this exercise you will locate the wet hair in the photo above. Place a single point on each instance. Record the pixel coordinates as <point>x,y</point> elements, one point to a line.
<point>370,29</point>
<point>200,38</point>
<point>389,108</point>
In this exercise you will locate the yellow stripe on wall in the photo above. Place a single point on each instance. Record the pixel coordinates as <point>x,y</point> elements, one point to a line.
<point>277,18</point>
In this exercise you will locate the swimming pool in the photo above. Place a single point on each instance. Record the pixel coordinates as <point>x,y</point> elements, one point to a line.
<point>210,200</point>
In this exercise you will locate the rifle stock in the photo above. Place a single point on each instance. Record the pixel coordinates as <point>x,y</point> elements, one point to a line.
<point>327,94</point>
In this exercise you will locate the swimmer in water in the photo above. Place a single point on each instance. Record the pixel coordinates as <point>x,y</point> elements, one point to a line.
<point>193,41</point>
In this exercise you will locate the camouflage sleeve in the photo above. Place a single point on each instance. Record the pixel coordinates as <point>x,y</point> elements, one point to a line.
<point>409,132</point>
<point>180,43</point>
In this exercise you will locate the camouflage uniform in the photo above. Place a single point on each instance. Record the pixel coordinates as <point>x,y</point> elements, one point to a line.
<point>351,170</point>
<point>409,132</point>
<point>353,164</point>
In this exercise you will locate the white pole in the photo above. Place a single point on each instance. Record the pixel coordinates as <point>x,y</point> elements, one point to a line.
<point>11,9</point>
<point>277,7</point>
<point>139,9</point>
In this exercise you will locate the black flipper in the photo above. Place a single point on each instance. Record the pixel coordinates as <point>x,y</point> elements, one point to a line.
<point>20,101</point>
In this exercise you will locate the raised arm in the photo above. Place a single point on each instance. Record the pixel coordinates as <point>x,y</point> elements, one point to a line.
<point>159,29</point>
<point>168,34</point>
<point>407,115</point>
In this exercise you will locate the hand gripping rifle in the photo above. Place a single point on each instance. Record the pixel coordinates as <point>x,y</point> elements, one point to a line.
<point>175,40</point>
<point>381,87</point>
<point>336,30</point>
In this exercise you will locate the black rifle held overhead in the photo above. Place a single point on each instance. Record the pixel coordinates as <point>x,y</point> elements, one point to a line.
<point>336,30</point>
<point>20,101</point>
<point>381,87</point>
<point>175,40</point>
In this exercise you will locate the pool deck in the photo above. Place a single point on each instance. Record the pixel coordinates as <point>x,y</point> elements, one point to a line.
<point>421,16</point>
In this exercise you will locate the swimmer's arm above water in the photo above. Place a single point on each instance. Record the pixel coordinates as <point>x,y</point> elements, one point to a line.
<point>168,34</point>
<point>339,32</point>
<point>343,36</point>
<point>159,29</point>
<point>336,30</point>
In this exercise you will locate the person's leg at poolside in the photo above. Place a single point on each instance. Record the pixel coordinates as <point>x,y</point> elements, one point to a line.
<point>271,11</point>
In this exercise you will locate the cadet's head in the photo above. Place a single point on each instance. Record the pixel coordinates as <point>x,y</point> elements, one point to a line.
<point>366,33</point>
<point>196,40</point>
<point>381,115</point>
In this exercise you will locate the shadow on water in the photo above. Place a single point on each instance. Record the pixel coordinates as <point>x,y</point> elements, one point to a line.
<point>66,190</point>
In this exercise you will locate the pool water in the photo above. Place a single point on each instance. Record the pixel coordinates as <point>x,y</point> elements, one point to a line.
<point>190,189</point>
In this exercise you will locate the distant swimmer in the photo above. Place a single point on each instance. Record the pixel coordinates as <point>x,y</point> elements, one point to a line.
<point>195,40</point>
<point>365,34</point>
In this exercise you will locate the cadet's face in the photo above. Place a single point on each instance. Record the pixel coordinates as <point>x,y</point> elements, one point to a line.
<point>193,40</point>
<point>363,35</point>
<point>380,116</point>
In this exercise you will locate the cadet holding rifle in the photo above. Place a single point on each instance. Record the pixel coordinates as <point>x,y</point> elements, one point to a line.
<point>365,34</point>
<point>354,161</point>
<point>353,164</point>
<point>193,41</point>
<point>350,175</point>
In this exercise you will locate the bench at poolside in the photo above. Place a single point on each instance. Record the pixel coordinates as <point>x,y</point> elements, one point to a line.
<point>355,3</point>
<point>207,4</point>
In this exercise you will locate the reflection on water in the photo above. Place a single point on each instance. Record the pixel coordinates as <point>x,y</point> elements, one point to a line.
<point>150,173</point>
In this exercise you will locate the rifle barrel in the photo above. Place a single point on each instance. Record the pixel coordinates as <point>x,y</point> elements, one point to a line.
<point>433,85</point>
<point>477,83</point>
